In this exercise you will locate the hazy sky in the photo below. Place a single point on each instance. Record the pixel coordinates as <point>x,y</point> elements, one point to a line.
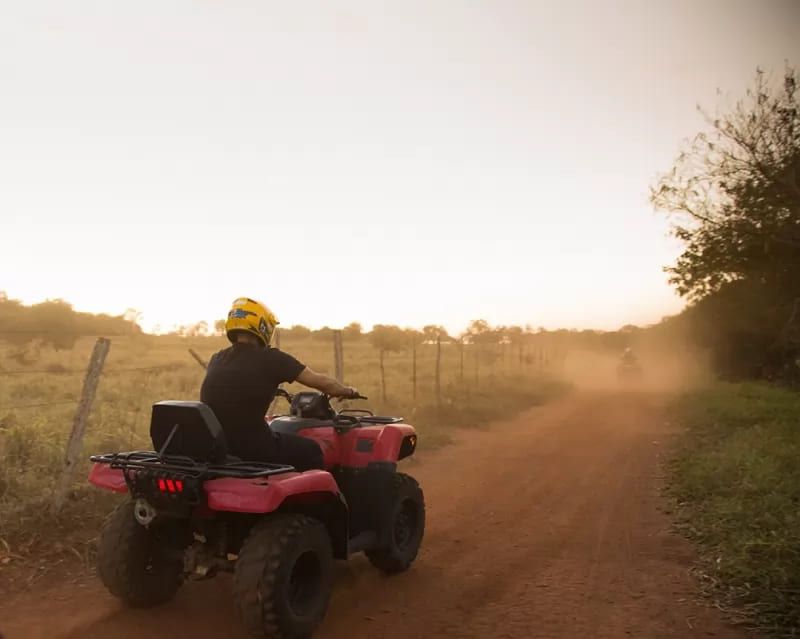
<point>410,162</point>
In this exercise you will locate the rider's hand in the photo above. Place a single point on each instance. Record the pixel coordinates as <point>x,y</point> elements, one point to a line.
<point>350,393</point>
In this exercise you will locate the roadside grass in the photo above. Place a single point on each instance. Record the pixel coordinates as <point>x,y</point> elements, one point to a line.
<point>736,480</point>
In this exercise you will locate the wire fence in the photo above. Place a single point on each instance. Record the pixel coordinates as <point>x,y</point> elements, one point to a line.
<point>57,371</point>
<point>106,371</point>
<point>71,385</point>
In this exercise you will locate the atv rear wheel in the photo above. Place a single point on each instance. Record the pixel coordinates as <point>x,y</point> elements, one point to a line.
<point>406,526</point>
<point>134,562</point>
<point>284,577</point>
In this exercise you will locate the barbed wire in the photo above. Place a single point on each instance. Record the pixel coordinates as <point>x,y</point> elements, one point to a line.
<point>83,333</point>
<point>79,333</point>
<point>110,371</point>
<point>39,404</point>
<point>64,402</point>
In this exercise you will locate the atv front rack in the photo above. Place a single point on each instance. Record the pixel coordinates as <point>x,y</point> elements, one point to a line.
<point>150,460</point>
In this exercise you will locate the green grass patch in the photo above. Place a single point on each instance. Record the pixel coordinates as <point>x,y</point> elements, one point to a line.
<point>736,480</point>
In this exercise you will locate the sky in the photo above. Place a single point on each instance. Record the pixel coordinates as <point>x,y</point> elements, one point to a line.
<point>408,162</point>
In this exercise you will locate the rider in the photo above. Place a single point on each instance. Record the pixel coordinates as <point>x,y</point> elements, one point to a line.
<point>241,382</point>
<point>627,356</point>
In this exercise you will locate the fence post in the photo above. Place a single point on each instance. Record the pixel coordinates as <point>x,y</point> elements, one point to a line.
<point>438,370</point>
<point>338,356</point>
<point>75,441</point>
<point>383,376</point>
<point>461,355</point>
<point>413,369</point>
<point>197,358</point>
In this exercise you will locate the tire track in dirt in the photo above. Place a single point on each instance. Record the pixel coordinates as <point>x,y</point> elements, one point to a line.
<point>545,526</point>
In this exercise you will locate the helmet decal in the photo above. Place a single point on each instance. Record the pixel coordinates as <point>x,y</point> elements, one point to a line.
<point>250,316</point>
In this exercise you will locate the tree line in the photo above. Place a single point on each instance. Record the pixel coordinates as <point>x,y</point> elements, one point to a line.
<point>55,323</point>
<point>733,195</point>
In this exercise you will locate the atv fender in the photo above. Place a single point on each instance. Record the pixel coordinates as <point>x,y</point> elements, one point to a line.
<point>395,442</point>
<point>103,476</point>
<point>379,444</point>
<point>313,492</point>
<point>265,495</point>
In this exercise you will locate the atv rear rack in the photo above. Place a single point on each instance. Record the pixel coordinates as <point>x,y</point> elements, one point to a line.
<point>150,460</point>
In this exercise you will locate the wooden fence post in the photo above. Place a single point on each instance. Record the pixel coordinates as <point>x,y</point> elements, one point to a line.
<point>413,369</point>
<point>75,441</point>
<point>461,355</point>
<point>338,356</point>
<point>383,375</point>
<point>197,358</point>
<point>438,370</point>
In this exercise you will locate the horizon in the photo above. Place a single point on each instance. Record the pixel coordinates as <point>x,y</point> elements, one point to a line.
<point>366,328</point>
<point>424,165</point>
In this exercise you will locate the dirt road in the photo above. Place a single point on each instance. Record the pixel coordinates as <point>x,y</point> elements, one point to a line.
<point>546,526</point>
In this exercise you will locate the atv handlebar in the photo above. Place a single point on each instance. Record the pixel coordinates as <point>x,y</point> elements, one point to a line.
<point>289,397</point>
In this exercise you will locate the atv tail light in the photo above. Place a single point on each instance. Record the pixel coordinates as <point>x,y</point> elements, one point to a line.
<point>170,485</point>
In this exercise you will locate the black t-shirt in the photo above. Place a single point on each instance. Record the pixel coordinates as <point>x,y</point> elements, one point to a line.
<point>240,385</point>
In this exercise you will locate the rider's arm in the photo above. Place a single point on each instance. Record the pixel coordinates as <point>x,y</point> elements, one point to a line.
<point>325,384</point>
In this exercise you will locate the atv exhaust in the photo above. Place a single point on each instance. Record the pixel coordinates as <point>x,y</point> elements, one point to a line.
<point>144,512</point>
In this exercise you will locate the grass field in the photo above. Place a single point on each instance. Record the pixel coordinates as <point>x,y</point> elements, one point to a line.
<point>736,479</point>
<point>38,394</point>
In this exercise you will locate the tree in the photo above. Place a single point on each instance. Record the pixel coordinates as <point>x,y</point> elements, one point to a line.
<point>734,197</point>
<point>219,327</point>
<point>432,332</point>
<point>478,332</point>
<point>352,331</point>
<point>323,334</point>
<point>55,323</point>
<point>297,332</point>
<point>388,338</point>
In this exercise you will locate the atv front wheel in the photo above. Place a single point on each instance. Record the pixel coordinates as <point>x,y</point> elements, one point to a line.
<point>134,562</point>
<point>406,526</point>
<point>284,577</point>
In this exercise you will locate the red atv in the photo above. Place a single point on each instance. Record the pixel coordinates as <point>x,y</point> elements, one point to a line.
<point>194,511</point>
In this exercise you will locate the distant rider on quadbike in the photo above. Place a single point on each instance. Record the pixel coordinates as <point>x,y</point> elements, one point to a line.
<point>241,382</point>
<point>628,357</point>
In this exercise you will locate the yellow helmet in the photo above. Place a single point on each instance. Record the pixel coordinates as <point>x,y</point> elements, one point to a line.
<point>252,317</point>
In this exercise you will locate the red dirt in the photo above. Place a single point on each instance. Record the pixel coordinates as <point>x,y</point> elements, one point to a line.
<point>546,526</point>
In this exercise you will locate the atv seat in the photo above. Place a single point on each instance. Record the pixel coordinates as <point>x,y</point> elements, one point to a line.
<point>291,424</point>
<point>188,429</point>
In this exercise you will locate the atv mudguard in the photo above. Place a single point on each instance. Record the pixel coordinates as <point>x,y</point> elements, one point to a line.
<point>233,494</point>
<point>359,447</point>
